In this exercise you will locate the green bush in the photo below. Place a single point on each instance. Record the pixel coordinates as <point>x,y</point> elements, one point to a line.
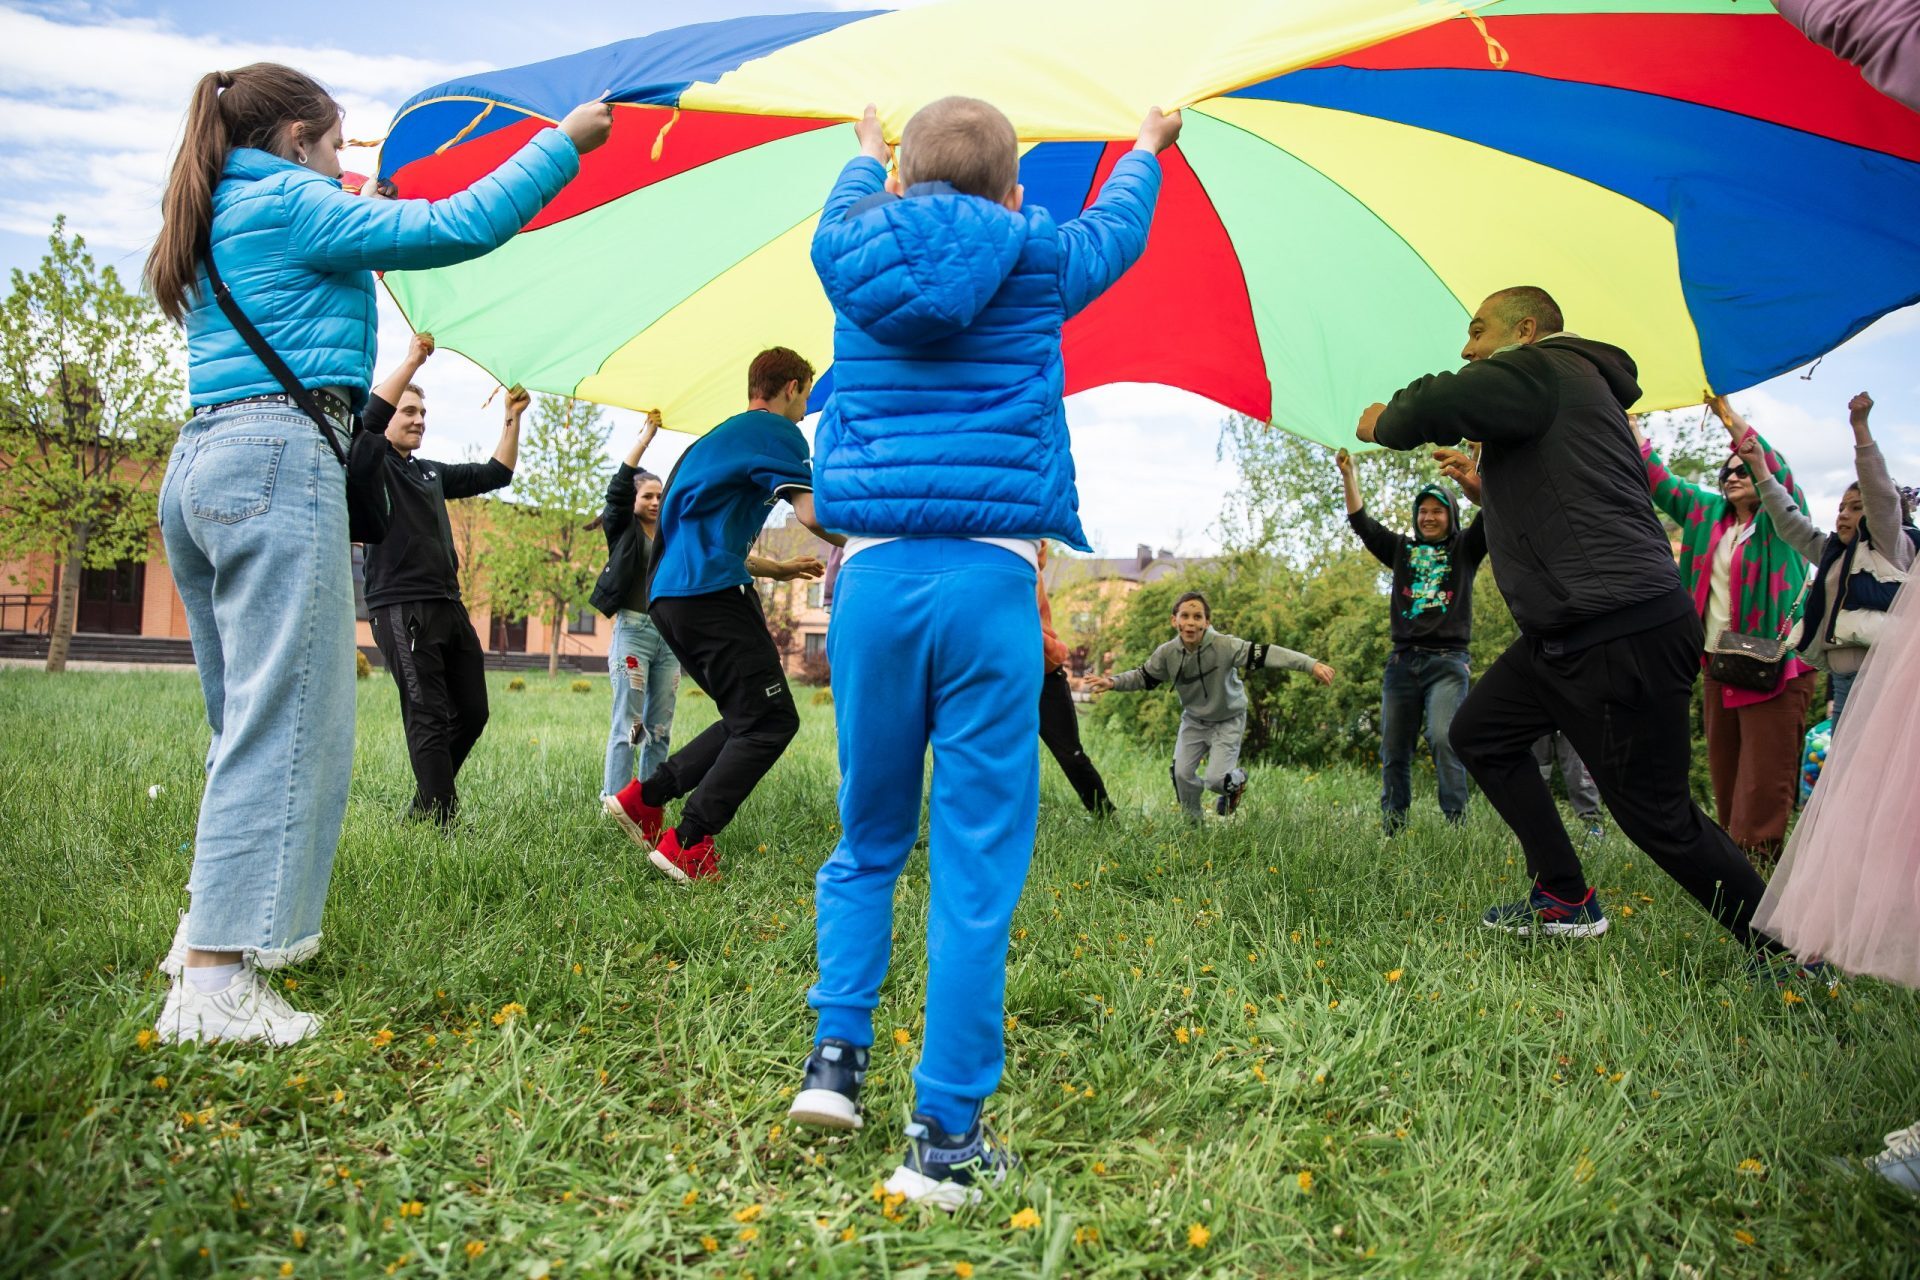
<point>581,686</point>
<point>517,685</point>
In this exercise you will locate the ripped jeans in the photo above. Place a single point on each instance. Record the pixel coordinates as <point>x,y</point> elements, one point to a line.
<point>646,679</point>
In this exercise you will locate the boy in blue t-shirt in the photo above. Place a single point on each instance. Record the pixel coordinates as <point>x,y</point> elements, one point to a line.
<point>705,607</point>
<point>943,453</point>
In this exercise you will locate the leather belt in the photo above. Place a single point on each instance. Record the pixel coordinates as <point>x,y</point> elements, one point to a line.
<point>336,408</point>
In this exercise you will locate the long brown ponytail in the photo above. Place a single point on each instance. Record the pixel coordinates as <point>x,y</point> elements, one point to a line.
<point>251,107</point>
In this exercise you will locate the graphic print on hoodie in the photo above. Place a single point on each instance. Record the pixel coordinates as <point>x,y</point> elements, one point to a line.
<point>1432,601</point>
<point>943,414</point>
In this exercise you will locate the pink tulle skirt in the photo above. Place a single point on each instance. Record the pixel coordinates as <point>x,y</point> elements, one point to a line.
<point>1848,888</point>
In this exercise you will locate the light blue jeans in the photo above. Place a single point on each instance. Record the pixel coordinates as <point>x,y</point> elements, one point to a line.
<point>253,509</point>
<point>643,697</point>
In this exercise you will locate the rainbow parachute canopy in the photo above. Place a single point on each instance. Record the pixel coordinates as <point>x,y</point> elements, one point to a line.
<point>1692,179</point>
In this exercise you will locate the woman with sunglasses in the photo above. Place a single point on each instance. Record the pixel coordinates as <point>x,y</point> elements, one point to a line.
<point>1744,577</point>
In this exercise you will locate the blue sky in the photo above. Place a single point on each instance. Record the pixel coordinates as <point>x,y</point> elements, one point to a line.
<point>93,95</point>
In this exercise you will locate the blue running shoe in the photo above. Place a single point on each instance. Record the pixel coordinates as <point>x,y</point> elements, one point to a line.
<point>946,1171</point>
<point>829,1096</point>
<point>1541,912</point>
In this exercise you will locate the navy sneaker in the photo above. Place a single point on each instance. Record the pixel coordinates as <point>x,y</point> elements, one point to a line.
<point>829,1094</point>
<point>946,1171</point>
<point>1232,787</point>
<point>1541,912</point>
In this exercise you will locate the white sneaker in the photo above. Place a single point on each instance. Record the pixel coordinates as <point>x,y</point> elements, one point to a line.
<point>1900,1162</point>
<point>247,1009</point>
<point>174,963</point>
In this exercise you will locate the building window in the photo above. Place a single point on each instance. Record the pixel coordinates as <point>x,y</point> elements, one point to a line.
<point>816,595</point>
<point>815,645</point>
<point>583,620</point>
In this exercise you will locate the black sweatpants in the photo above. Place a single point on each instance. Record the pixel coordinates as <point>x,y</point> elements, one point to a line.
<point>722,642</point>
<point>1060,730</point>
<point>436,660</point>
<point>1624,706</point>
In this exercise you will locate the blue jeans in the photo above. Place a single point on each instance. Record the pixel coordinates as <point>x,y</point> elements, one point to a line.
<point>1842,687</point>
<point>643,696</point>
<point>932,644</point>
<point>253,509</point>
<point>1417,684</point>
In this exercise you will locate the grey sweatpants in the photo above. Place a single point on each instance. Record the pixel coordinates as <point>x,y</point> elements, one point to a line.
<point>1215,741</point>
<point>1581,791</point>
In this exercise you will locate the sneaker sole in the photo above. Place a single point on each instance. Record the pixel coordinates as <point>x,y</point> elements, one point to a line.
<point>665,863</point>
<point>279,1040</point>
<point>824,1109</point>
<point>1592,929</point>
<point>918,1188</point>
<point>612,805</point>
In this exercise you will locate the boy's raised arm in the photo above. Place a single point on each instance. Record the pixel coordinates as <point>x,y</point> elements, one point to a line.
<point>1097,247</point>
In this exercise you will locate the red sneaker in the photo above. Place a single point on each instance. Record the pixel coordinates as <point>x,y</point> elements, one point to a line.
<point>641,821</point>
<point>700,862</point>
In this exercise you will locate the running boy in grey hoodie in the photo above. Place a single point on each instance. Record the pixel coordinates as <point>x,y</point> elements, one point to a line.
<point>1204,667</point>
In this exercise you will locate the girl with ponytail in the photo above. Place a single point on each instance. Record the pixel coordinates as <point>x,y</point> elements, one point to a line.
<point>253,505</point>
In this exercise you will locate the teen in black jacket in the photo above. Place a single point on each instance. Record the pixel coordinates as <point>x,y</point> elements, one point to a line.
<point>1431,611</point>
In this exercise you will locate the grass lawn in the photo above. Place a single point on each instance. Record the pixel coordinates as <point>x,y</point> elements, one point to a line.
<point>1280,1047</point>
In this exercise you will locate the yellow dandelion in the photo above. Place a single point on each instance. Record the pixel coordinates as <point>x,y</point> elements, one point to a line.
<point>160,1082</point>
<point>902,1036</point>
<point>291,984</point>
<point>382,1038</point>
<point>1099,1168</point>
<point>749,1213</point>
<point>1086,1235</point>
<point>709,1243</point>
<point>577,970</point>
<point>1306,1181</point>
<point>1754,1167</point>
<point>848,1235</point>
<point>1180,1034</point>
<point>1251,1008</point>
<point>1743,1237</point>
<point>339,1094</point>
<point>432,1040</point>
<point>1792,997</point>
<point>412,1209</point>
<point>1025,1220</point>
<point>508,1011</point>
<point>1394,975</point>
<point>475,1248</point>
<point>1012,1022</point>
<point>749,1234</point>
<point>690,1199</point>
<point>1295,935</point>
<point>964,1270</point>
<point>1259,1073</point>
<point>286,1268</point>
<point>1626,911</point>
<point>1197,1236</point>
<point>299,1238</point>
<point>145,1038</point>
<point>1333,1004</point>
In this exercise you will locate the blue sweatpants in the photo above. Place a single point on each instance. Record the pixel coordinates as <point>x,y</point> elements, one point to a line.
<point>933,642</point>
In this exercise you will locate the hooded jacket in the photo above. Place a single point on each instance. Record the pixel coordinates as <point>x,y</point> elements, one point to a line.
<point>299,255</point>
<point>1207,676</point>
<point>945,417</point>
<point>1432,581</point>
<point>1576,548</point>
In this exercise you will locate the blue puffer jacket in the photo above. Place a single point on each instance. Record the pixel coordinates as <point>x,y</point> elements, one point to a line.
<point>945,418</point>
<point>299,253</point>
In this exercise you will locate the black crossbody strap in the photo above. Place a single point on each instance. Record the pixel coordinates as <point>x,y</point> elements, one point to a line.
<point>269,357</point>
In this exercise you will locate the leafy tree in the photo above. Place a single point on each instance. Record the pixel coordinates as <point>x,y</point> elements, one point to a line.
<point>90,402</point>
<point>543,558</point>
<point>1288,503</point>
<point>469,520</point>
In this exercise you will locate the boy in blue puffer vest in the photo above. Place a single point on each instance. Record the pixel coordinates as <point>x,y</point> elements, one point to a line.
<point>943,455</point>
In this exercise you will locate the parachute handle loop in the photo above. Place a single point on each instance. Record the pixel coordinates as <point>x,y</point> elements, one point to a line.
<point>1496,52</point>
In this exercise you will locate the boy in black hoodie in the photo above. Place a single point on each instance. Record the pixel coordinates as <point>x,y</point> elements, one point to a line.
<point>1432,620</point>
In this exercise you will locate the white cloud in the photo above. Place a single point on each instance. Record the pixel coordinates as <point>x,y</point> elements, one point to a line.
<point>1820,447</point>
<point>90,112</point>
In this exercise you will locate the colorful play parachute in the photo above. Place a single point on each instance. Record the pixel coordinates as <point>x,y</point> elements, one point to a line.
<point>1693,179</point>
